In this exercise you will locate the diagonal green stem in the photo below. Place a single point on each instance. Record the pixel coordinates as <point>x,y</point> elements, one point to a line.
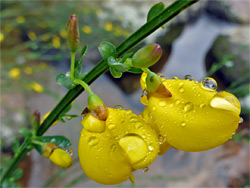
<point>144,31</point>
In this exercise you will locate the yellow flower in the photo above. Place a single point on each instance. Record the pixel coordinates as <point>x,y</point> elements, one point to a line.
<point>28,70</point>
<point>1,36</point>
<point>86,29</point>
<point>116,147</point>
<point>32,35</point>
<point>56,42</point>
<point>45,37</point>
<point>61,158</point>
<point>15,73</point>
<point>108,26</point>
<point>20,19</point>
<point>196,117</point>
<point>63,33</point>
<point>37,87</point>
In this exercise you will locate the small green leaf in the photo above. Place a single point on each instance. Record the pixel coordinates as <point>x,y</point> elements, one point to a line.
<point>119,67</point>
<point>65,81</point>
<point>107,50</point>
<point>71,115</point>
<point>61,119</point>
<point>67,109</point>
<point>15,145</point>
<point>125,57</point>
<point>114,73</point>
<point>61,141</point>
<point>39,149</point>
<point>25,132</point>
<point>135,70</point>
<point>155,10</point>
<point>17,174</point>
<point>78,63</point>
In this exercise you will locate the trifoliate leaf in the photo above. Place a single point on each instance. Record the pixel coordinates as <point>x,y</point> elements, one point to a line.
<point>65,81</point>
<point>107,50</point>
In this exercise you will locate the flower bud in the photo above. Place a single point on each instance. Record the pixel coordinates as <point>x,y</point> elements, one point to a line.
<point>73,33</point>
<point>35,119</point>
<point>48,149</point>
<point>61,158</point>
<point>147,56</point>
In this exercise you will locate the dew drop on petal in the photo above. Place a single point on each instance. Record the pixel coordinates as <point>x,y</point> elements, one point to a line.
<point>111,126</point>
<point>69,151</point>
<point>151,148</point>
<point>183,124</point>
<point>145,170</point>
<point>241,120</point>
<point>113,147</point>
<point>93,141</point>
<point>188,107</point>
<point>120,107</point>
<point>160,74</point>
<point>161,139</point>
<point>181,89</point>
<point>203,105</point>
<point>175,78</point>
<point>162,103</point>
<point>209,83</point>
<point>189,77</point>
<point>177,101</point>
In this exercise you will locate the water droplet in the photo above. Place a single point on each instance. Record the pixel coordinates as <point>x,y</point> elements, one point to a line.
<point>189,77</point>
<point>151,148</point>
<point>128,112</point>
<point>138,125</point>
<point>160,74</point>
<point>185,115</point>
<point>181,89</point>
<point>120,107</point>
<point>209,83</point>
<point>177,101</point>
<point>69,151</point>
<point>122,120</point>
<point>171,105</point>
<point>188,107</point>
<point>145,170</point>
<point>111,126</point>
<point>113,147</point>
<point>183,124</point>
<point>144,93</point>
<point>82,117</point>
<point>93,141</point>
<point>162,103</point>
<point>181,84</point>
<point>233,134</point>
<point>133,119</point>
<point>203,105</point>
<point>175,78</point>
<point>161,139</point>
<point>241,120</point>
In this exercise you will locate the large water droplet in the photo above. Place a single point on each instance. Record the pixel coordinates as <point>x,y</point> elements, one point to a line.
<point>209,83</point>
<point>69,151</point>
<point>189,77</point>
<point>82,117</point>
<point>111,126</point>
<point>241,120</point>
<point>120,107</point>
<point>162,103</point>
<point>93,141</point>
<point>145,170</point>
<point>175,78</point>
<point>181,89</point>
<point>188,107</point>
<point>133,119</point>
<point>203,105</point>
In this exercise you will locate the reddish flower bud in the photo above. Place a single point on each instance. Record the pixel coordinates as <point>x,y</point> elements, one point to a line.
<point>147,56</point>
<point>73,33</point>
<point>35,119</point>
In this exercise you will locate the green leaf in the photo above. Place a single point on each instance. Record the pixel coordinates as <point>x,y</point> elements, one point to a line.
<point>126,56</point>
<point>135,70</point>
<point>65,81</point>
<point>25,132</point>
<point>6,184</point>
<point>119,67</point>
<point>78,63</point>
<point>67,109</point>
<point>107,50</point>
<point>17,174</point>
<point>15,145</point>
<point>61,141</point>
<point>114,73</point>
<point>39,149</point>
<point>155,10</point>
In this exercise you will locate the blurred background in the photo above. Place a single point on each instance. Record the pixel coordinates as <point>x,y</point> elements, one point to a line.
<point>211,38</point>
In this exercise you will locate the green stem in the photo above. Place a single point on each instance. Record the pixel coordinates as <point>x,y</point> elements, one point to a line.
<point>72,72</point>
<point>84,85</point>
<point>144,31</point>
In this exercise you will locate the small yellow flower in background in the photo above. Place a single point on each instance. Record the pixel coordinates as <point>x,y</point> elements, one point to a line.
<point>108,26</point>
<point>43,65</point>
<point>86,29</point>
<point>20,19</point>
<point>56,42</point>
<point>118,31</point>
<point>45,37</point>
<point>98,11</point>
<point>37,87</point>
<point>28,70</point>
<point>42,24</point>
<point>63,33</point>
<point>1,37</point>
<point>32,35</point>
<point>15,73</point>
